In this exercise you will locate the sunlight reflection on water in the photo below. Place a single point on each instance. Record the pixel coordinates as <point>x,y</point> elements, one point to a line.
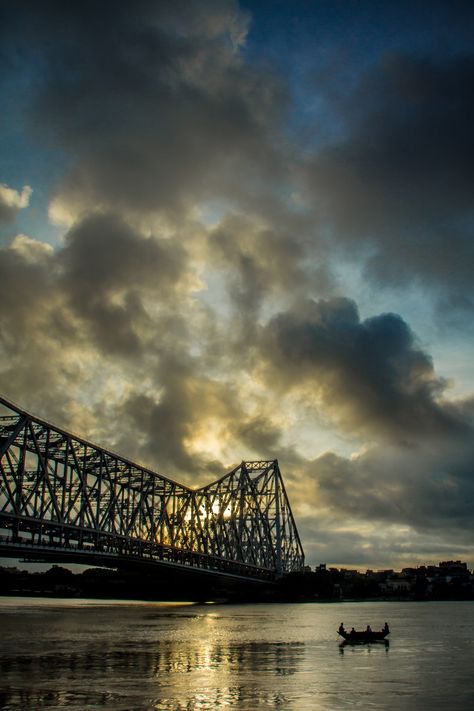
<point>159,657</point>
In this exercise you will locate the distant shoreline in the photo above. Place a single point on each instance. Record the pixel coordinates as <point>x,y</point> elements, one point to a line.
<point>448,581</point>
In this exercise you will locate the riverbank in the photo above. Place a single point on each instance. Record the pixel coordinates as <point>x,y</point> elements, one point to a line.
<point>320,586</point>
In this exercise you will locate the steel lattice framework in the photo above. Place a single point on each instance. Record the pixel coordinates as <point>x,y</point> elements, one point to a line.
<point>58,491</point>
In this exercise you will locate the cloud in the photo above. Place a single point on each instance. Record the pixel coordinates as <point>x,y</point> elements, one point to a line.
<point>346,542</point>
<point>39,339</point>
<point>259,263</point>
<point>195,121</point>
<point>110,318</point>
<point>173,423</point>
<point>387,505</point>
<point>371,376</point>
<point>395,183</point>
<point>12,201</point>
<point>193,412</point>
<point>428,486</point>
<point>108,270</point>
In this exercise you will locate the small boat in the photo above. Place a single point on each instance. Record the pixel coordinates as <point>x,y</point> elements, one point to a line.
<point>364,636</point>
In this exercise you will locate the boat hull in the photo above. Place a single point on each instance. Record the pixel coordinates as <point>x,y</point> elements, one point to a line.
<point>361,637</point>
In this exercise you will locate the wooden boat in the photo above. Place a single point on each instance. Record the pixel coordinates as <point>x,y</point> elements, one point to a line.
<point>363,636</point>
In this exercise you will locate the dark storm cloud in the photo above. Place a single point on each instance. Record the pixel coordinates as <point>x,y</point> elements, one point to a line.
<point>384,546</point>
<point>100,276</point>
<point>151,100</point>
<point>27,291</point>
<point>396,500</point>
<point>370,376</point>
<point>258,434</point>
<point>399,178</point>
<point>428,486</point>
<point>36,329</point>
<point>107,269</point>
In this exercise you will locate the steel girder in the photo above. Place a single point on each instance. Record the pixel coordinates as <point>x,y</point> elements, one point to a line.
<point>60,491</point>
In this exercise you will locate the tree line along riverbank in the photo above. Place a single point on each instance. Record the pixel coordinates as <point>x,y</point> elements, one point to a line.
<point>450,580</point>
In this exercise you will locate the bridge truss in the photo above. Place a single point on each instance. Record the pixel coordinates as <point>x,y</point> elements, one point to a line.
<point>60,494</point>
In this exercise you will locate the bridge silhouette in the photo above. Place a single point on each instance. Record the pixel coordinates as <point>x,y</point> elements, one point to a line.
<point>65,499</point>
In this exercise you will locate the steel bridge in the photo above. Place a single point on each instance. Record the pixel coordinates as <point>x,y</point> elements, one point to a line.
<point>63,498</point>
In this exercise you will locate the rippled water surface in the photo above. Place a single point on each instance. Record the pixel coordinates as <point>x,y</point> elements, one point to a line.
<point>154,656</point>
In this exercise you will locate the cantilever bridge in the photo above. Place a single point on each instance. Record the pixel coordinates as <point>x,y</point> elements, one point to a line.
<point>65,499</point>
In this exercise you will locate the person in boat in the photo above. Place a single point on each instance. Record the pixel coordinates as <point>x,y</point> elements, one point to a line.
<point>385,628</point>
<point>352,632</point>
<point>341,629</point>
<point>369,629</point>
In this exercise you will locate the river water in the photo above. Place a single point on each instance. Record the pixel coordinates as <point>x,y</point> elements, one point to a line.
<point>134,656</point>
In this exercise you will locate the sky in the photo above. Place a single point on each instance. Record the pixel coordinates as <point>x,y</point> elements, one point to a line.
<point>234,231</point>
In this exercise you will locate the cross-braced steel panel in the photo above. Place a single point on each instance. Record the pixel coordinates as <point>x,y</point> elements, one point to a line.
<point>59,491</point>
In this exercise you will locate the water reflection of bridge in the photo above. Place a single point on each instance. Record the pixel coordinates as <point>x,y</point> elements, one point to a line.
<point>65,499</point>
